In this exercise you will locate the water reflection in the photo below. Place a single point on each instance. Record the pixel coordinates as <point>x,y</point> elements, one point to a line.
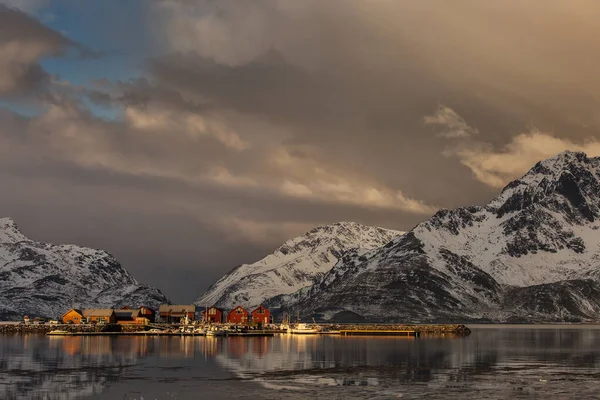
<point>493,363</point>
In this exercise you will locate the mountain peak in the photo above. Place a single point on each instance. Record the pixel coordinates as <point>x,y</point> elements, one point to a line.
<point>7,222</point>
<point>561,161</point>
<point>295,264</point>
<point>43,279</point>
<point>567,183</point>
<point>9,231</point>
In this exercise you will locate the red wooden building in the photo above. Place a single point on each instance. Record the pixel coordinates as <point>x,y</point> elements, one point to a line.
<point>213,314</point>
<point>239,315</point>
<point>261,315</point>
<point>148,312</point>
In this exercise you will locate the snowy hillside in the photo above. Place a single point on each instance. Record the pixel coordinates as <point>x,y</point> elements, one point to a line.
<point>42,279</point>
<point>536,242</point>
<point>296,264</point>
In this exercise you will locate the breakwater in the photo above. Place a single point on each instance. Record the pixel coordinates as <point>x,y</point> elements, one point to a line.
<point>45,328</point>
<point>423,330</point>
<point>438,329</point>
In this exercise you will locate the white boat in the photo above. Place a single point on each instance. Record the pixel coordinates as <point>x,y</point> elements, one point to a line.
<point>186,329</point>
<point>303,329</point>
<point>58,332</point>
<point>216,332</point>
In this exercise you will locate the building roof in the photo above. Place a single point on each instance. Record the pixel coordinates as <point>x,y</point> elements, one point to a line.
<point>78,311</point>
<point>177,309</point>
<point>126,314</point>
<point>259,307</point>
<point>236,307</point>
<point>98,312</point>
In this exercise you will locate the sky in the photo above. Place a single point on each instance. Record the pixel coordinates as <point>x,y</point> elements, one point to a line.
<point>187,137</point>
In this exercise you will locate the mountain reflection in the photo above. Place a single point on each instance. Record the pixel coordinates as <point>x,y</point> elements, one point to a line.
<point>64,368</point>
<point>294,362</point>
<point>74,367</point>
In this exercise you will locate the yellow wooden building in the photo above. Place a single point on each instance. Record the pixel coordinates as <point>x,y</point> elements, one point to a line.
<point>73,316</point>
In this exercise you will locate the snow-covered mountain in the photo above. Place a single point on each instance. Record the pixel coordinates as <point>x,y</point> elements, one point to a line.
<point>298,263</point>
<point>532,253</point>
<point>42,279</point>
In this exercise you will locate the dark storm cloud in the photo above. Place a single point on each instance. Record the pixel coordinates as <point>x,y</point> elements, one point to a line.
<point>24,41</point>
<point>360,80</point>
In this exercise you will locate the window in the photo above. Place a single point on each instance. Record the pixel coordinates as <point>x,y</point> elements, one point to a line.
<point>260,311</point>
<point>212,311</point>
<point>239,310</point>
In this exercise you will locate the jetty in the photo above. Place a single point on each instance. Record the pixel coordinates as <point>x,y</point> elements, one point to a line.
<point>378,332</point>
<point>148,333</point>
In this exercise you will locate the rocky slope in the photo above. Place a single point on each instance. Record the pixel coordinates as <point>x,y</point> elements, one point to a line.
<point>530,254</point>
<point>298,263</point>
<point>42,279</point>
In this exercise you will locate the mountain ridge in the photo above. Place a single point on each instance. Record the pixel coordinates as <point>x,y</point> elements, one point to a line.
<point>538,237</point>
<point>295,264</point>
<point>46,279</point>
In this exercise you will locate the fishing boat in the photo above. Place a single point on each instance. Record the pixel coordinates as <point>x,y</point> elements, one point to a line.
<point>199,331</point>
<point>303,329</point>
<point>58,332</point>
<point>216,332</point>
<point>186,329</point>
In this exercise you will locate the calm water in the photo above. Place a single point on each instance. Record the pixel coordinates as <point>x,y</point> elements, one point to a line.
<point>494,362</point>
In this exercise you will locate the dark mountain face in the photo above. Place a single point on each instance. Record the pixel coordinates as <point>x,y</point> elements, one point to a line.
<point>531,253</point>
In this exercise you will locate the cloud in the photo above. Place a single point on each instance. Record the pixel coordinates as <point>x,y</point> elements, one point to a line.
<point>159,143</point>
<point>262,232</point>
<point>355,81</point>
<point>453,125</point>
<point>23,43</point>
<point>497,168</point>
<point>196,126</point>
<point>26,5</point>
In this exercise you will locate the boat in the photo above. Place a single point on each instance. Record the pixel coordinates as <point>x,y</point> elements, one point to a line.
<point>58,332</point>
<point>303,329</point>
<point>216,332</point>
<point>199,331</point>
<point>186,329</point>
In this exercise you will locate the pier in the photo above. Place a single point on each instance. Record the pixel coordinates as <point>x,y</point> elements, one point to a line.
<point>378,332</point>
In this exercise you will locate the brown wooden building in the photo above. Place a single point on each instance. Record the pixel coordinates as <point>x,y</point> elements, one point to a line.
<point>213,314</point>
<point>172,314</point>
<point>261,316</point>
<point>73,316</point>
<point>105,315</point>
<point>239,315</point>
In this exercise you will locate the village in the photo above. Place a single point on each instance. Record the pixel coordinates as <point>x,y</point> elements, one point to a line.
<point>187,320</point>
<point>168,314</point>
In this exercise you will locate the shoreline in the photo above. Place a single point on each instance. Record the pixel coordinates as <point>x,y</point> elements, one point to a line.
<point>115,329</point>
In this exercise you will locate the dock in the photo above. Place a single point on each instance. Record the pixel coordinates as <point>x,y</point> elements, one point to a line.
<point>251,334</point>
<point>146,333</point>
<point>378,332</point>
